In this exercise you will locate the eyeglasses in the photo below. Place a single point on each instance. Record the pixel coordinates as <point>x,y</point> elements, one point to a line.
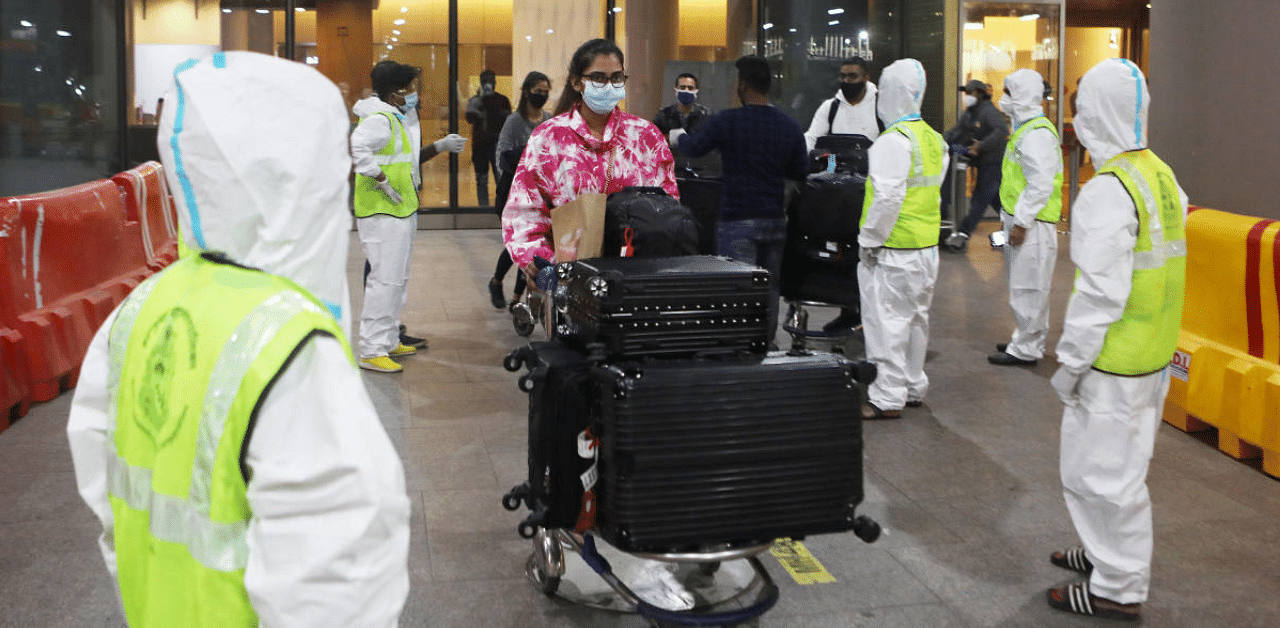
<point>599,79</point>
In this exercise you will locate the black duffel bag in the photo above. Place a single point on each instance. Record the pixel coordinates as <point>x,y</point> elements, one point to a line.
<point>649,223</point>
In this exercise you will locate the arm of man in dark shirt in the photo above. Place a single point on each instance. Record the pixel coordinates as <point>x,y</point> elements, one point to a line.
<point>797,167</point>
<point>700,143</point>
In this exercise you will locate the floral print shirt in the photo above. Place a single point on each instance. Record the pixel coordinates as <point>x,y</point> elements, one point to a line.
<point>563,160</point>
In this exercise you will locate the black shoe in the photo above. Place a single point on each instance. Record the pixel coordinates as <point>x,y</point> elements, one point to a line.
<point>412,341</point>
<point>1001,347</point>
<point>846,321</point>
<point>1004,359</point>
<point>958,242</point>
<point>495,294</point>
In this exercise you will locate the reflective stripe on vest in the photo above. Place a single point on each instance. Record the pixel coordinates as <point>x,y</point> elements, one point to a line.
<point>920,218</point>
<point>1013,181</point>
<point>1145,337</point>
<point>397,161</point>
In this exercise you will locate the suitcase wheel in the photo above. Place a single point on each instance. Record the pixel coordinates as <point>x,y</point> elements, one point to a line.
<point>511,501</point>
<point>866,528</point>
<point>864,372</point>
<point>526,383</point>
<point>513,361</point>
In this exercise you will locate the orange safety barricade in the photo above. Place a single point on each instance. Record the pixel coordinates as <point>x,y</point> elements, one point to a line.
<point>147,200</point>
<point>1226,371</point>
<point>69,257</point>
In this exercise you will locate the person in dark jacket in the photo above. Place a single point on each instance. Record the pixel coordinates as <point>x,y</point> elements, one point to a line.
<point>981,135</point>
<point>487,111</point>
<point>686,113</point>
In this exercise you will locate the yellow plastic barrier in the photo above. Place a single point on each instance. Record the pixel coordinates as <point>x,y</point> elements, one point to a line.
<point>1226,372</point>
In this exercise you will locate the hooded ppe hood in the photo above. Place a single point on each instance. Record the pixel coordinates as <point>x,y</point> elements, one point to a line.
<point>1111,109</point>
<point>255,151</point>
<point>372,106</point>
<point>1026,91</point>
<point>901,91</point>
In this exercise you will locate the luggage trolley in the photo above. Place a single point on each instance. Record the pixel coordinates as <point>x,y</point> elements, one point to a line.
<point>649,561</point>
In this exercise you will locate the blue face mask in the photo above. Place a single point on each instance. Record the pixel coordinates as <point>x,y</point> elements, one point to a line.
<point>410,102</point>
<point>686,98</point>
<point>602,100</point>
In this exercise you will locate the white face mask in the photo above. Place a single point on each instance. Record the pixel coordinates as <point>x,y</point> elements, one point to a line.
<point>969,101</point>
<point>602,100</point>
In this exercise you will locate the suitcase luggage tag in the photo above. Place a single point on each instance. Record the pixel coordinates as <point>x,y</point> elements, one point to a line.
<point>831,163</point>
<point>588,448</point>
<point>627,250</point>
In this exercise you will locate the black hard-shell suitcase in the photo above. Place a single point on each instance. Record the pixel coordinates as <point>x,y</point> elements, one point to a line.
<point>561,407</point>
<point>820,259</point>
<point>650,223</point>
<point>662,306</point>
<point>702,196</point>
<point>705,452</point>
<point>850,151</point>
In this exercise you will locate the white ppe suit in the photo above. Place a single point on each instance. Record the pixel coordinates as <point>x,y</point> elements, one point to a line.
<point>1109,423</point>
<point>896,284</point>
<point>1029,267</point>
<point>387,240</point>
<point>328,539</point>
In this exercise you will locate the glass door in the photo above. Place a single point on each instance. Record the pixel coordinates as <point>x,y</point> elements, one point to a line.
<point>997,38</point>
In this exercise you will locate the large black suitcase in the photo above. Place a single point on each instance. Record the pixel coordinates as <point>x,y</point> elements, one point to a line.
<point>662,306</point>
<point>561,407</point>
<point>705,452</point>
<point>820,259</point>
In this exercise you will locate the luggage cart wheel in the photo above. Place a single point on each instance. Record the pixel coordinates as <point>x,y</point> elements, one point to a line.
<point>866,528</point>
<point>525,383</point>
<point>523,328</point>
<point>546,583</point>
<point>546,562</point>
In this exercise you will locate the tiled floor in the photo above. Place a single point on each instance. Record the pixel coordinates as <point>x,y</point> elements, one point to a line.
<point>966,487</point>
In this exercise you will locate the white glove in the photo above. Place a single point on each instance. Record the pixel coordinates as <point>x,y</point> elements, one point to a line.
<point>1067,384</point>
<point>673,138</point>
<point>868,255</point>
<point>386,188</point>
<point>452,142</point>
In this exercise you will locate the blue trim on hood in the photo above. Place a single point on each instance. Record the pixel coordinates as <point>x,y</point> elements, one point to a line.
<point>220,60</point>
<point>334,309</point>
<point>1137,107</point>
<point>188,194</point>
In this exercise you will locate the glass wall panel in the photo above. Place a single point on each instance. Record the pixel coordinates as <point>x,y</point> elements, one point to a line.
<point>60,119</point>
<point>1000,37</point>
<point>805,41</point>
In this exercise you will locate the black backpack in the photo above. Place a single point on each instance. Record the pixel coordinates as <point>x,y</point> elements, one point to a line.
<point>650,222</point>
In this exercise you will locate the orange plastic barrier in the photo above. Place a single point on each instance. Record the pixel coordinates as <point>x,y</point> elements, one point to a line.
<point>147,200</point>
<point>67,258</point>
<point>1226,372</point>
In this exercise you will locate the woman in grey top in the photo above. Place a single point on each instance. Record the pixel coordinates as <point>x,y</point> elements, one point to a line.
<point>515,134</point>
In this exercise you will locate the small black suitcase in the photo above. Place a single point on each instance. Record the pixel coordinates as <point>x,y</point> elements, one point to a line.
<point>820,259</point>
<point>561,407</point>
<point>662,306</point>
<point>706,452</point>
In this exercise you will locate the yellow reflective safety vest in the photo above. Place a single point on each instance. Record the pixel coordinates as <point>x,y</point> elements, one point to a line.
<point>397,162</point>
<point>1013,181</point>
<point>1145,337</point>
<point>192,351</point>
<point>920,220</point>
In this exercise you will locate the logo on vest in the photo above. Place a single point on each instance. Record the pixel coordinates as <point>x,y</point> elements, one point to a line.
<point>170,350</point>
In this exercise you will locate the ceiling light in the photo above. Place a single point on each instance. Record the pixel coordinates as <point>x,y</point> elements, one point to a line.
<point>835,11</point>
<point>395,31</point>
<point>395,39</point>
<point>389,46</point>
<point>973,26</point>
<point>1029,17</point>
<point>226,10</point>
<point>399,22</point>
<point>550,31</point>
<point>39,69</point>
<point>862,34</point>
<point>262,11</point>
<point>767,25</point>
<point>25,23</point>
<point>528,38</point>
<point>63,34</point>
<point>302,10</point>
<point>404,9</point>
<point>833,22</point>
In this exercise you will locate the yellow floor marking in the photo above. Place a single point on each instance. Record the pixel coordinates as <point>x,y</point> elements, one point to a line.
<point>796,559</point>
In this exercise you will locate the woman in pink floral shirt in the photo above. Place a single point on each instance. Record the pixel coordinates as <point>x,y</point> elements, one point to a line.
<point>589,146</point>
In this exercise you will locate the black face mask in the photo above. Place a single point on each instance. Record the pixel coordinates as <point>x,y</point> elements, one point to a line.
<point>537,100</point>
<point>852,91</point>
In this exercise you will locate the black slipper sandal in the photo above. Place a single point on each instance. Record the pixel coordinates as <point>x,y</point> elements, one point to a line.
<point>1075,598</point>
<point>1073,559</point>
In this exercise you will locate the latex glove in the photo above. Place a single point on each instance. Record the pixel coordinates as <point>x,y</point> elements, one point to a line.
<point>1067,384</point>
<point>868,255</point>
<point>673,138</point>
<point>1017,235</point>
<point>386,188</point>
<point>452,142</point>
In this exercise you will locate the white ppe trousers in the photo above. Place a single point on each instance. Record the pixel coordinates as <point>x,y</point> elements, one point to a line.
<point>1029,269</point>
<point>1107,440</point>
<point>387,242</point>
<point>897,291</point>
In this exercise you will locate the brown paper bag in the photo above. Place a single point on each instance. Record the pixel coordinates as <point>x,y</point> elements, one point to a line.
<point>585,212</point>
